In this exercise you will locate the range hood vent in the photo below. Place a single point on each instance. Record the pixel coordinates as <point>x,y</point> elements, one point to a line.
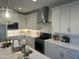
<point>45,14</point>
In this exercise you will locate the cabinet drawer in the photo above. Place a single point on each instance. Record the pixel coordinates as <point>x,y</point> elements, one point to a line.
<point>69,51</point>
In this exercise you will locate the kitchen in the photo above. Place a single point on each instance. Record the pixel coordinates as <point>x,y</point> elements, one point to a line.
<point>49,29</point>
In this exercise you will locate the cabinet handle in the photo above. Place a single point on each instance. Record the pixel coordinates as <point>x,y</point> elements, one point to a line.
<point>60,54</point>
<point>69,51</point>
<point>56,47</point>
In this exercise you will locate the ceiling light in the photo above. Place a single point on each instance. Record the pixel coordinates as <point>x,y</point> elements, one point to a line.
<point>20,8</point>
<point>34,0</point>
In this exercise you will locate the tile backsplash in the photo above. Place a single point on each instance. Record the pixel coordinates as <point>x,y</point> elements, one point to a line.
<point>74,39</point>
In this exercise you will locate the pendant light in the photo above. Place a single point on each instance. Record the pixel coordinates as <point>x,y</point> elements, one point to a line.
<point>7,15</point>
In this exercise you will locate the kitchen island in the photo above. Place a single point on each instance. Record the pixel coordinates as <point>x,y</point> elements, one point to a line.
<point>6,53</point>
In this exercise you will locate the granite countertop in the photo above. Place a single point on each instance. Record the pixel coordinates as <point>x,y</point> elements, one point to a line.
<point>7,54</point>
<point>17,33</point>
<point>74,47</point>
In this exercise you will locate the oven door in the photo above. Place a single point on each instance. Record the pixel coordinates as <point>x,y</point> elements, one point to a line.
<point>39,46</point>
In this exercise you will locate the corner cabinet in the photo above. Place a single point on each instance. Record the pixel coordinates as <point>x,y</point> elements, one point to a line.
<point>58,52</point>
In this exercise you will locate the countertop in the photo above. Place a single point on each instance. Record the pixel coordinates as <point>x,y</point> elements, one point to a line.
<point>74,47</point>
<point>7,54</point>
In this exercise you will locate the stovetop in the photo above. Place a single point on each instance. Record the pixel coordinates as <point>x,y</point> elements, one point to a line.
<point>43,36</point>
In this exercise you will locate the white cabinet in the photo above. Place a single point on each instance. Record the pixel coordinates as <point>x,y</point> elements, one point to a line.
<point>55,51</point>
<point>65,20</point>
<point>69,54</point>
<point>61,20</point>
<point>52,51</point>
<point>56,20</point>
<point>30,41</point>
<point>58,52</point>
<point>47,49</point>
<point>74,19</point>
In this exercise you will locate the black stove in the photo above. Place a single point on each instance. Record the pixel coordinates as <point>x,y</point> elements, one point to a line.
<point>39,42</point>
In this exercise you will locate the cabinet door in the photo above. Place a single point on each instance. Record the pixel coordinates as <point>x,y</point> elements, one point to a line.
<point>69,54</point>
<point>75,19</point>
<point>52,51</point>
<point>65,14</point>
<point>30,41</point>
<point>47,49</point>
<point>55,52</point>
<point>56,20</point>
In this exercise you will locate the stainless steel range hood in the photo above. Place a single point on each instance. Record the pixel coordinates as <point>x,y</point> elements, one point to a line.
<point>45,14</point>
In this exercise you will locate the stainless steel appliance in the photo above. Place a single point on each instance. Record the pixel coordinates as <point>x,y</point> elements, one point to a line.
<point>56,37</point>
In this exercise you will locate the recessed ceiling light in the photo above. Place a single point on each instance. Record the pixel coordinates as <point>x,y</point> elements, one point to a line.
<point>20,8</point>
<point>34,0</point>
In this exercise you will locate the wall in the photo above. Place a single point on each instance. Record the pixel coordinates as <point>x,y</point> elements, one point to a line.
<point>14,17</point>
<point>31,21</point>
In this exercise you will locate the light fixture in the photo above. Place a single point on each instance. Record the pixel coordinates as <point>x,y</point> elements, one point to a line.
<point>20,8</point>
<point>34,0</point>
<point>7,15</point>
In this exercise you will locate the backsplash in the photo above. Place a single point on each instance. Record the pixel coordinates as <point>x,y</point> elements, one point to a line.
<point>74,39</point>
<point>28,32</point>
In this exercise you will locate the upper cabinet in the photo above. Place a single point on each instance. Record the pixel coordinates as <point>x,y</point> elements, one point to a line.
<point>74,19</point>
<point>56,20</point>
<point>65,20</point>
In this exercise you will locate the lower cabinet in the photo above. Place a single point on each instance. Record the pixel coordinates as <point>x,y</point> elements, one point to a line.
<point>52,51</point>
<point>55,52</point>
<point>30,41</point>
<point>58,52</point>
<point>69,54</point>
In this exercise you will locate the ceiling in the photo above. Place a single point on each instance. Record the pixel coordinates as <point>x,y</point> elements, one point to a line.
<point>29,5</point>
